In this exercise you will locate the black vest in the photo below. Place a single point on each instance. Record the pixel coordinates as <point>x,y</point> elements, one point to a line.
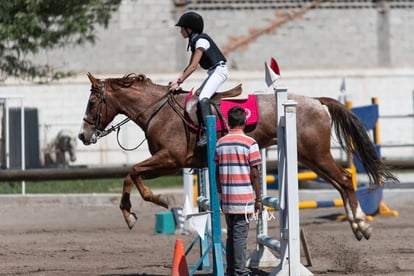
<point>211,56</point>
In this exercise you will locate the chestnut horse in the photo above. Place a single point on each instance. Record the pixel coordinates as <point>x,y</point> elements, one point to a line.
<point>172,142</point>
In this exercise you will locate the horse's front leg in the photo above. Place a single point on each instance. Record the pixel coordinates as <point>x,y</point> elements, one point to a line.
<point>125,205</point>
<point>147,194</point>
<point>158,165</point>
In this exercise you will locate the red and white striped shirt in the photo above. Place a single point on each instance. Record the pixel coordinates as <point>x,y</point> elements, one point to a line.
<point>235,154</point>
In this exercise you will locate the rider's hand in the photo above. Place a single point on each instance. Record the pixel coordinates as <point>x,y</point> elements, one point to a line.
<point>174,86</point>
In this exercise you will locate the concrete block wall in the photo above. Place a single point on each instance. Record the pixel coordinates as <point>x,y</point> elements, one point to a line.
<point>141,37</point>
<point>402,43</point>
<point>321,39</point>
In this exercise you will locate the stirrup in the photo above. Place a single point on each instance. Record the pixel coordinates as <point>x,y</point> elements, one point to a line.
<point>202,141</point>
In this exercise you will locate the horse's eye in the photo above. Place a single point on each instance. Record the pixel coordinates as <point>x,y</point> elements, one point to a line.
<point>91,105</point>
<point>93,91</point>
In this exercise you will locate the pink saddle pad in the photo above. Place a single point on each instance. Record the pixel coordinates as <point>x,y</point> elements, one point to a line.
<point>249,105</point>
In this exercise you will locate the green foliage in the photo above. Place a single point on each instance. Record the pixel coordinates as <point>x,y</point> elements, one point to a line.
<point>85,186</point>
<point>27,26</point>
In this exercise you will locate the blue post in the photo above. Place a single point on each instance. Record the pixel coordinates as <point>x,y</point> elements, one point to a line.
<point>218,268</point>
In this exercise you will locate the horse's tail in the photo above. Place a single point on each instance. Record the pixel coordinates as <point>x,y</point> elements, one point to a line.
<point>353,137</point>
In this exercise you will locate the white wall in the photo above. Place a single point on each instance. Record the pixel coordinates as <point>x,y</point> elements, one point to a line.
<point>62,105</point>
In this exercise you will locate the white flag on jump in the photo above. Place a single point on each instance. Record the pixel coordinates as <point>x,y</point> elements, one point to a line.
<point>270,75</point>
<point>197,221</point>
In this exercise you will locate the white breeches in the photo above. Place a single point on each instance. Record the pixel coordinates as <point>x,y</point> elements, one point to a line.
<point>216,77</point>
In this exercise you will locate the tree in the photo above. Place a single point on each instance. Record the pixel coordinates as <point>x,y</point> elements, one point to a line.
<point>27,26</point>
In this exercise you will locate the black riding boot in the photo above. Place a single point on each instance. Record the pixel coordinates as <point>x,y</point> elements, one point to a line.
<point>204,109</point>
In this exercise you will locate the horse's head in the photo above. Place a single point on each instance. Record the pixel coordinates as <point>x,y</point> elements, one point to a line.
<point>98,114</point>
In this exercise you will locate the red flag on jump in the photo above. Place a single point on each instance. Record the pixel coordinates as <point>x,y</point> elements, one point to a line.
<point>272,72</point>
<point>274,66</point>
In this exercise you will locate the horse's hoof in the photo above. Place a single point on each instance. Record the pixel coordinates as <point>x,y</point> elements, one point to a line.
<point>163,201</point>
<point>358,235</point>
<point>131,220</point>
<point>357,232</point>
<point>366,231</point>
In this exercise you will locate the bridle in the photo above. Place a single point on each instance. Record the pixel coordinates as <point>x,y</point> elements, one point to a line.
<point>99,133</point>
<point>102,100</point>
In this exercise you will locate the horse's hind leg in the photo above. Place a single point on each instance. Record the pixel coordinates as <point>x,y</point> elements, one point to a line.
<point>341,179</point>
<point>355,215</point>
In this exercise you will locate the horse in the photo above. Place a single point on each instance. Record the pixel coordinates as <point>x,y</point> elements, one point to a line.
<point>55,152</point>
<point>172,141</point>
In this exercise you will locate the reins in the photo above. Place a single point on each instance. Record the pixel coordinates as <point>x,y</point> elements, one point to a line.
<point>126,120</point>
<point>172,101</point>
<point>166,98</point>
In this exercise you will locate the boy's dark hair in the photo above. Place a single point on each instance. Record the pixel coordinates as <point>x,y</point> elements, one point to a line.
<point>236,116</point>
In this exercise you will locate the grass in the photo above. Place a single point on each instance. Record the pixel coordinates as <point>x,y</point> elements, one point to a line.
<point>85,186</point>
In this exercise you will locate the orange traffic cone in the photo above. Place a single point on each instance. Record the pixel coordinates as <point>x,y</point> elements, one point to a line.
<point>179,267</point>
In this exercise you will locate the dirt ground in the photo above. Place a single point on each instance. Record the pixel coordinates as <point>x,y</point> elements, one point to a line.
<point>86,235</point>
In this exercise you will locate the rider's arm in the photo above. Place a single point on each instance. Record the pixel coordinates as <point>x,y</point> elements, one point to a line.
<point>195,60</point>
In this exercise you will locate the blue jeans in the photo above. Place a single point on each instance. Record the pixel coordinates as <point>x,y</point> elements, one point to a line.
<point>236,244</point>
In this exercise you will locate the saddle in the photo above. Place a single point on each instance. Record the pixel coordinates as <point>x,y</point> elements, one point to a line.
<point>192,99</point>
<point>220,103</point>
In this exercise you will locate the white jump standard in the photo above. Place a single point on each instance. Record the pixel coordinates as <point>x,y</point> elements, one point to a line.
<point>287,203</point>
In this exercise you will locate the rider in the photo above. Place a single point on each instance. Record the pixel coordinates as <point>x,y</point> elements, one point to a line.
<point>204,52</point>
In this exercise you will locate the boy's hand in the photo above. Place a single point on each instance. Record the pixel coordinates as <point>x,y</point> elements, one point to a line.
<point>258,207</point>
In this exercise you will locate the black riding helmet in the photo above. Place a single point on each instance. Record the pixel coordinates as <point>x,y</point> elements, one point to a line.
<point>191,20</point>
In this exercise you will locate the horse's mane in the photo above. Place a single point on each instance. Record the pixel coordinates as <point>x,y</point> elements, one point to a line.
<point>128,80</point>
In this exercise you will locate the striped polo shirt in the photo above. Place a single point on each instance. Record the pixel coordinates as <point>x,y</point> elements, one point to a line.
<point>235,154</point>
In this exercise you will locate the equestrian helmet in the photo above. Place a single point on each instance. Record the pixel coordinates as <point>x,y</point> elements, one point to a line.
<point>191,20</point>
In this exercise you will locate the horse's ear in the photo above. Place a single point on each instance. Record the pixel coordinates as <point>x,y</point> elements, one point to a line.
<point>92,78</point>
